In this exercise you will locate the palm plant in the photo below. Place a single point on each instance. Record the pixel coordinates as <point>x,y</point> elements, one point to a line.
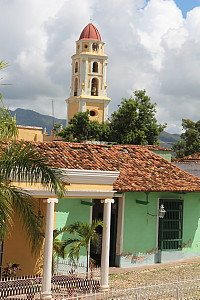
<point>59,247</point>
<point>86,234</point>
<point>21,161</point>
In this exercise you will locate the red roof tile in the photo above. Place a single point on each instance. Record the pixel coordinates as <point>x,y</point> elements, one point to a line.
<point>140,169</point>
<point>90,32</point>
<point>195,157</point>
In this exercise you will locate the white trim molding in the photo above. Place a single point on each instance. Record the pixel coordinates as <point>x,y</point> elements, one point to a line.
<point>90,176</point>
<point>42,193</point>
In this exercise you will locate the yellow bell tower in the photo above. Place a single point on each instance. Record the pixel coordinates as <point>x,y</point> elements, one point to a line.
<point>88,88</point>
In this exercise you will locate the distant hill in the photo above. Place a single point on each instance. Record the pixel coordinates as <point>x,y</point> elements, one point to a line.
<point>167,140</point>
<point>31,118</point>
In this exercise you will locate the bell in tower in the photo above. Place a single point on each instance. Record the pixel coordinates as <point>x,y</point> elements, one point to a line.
<point>88,87</point>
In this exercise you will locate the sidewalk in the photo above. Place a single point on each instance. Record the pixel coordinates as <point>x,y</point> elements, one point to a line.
<point>115,270</point>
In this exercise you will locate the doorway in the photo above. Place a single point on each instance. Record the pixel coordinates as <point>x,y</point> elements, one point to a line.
<point>95,251</point>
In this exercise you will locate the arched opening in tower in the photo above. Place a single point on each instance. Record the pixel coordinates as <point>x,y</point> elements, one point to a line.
<point>95,67</point>
<point>76,67</point>
<point>94,87</point>
<point>75,86</point>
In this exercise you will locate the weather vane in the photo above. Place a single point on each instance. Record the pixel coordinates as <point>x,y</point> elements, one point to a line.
<point>91,20</point>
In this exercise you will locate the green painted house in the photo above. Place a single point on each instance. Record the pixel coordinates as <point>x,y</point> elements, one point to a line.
<point>139,235</point>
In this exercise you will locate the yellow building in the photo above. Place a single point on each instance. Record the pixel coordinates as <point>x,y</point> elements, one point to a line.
<point>88,87</point>
<point>30,133</point>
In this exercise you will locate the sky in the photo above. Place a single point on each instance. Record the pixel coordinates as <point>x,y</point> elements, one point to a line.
<point>152,45</point>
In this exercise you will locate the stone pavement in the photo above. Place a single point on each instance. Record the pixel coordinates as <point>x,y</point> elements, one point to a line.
<point>115,270</point>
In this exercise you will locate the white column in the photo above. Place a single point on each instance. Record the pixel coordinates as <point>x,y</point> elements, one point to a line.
<point>105,243</point>
<point>67,116</point>
<point>105,111</point>
<point>82,105</point>
<point>48,249</point>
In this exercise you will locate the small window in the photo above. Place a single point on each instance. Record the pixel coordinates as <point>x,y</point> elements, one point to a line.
<point>93,113</point>
<point>95,67</point>
<point>95,47</point>
<point>85,46</point>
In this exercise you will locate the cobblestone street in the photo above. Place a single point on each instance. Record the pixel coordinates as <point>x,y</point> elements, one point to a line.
<point>122,278</point>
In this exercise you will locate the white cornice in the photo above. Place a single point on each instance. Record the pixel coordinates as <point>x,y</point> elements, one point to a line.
<point>90,176</point>
<point>88,99</point>
<point>42,193</point>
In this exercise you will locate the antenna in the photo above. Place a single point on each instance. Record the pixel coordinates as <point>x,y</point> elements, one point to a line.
<point>52,107</point>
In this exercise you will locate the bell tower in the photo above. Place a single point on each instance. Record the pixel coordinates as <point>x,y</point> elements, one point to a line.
<point>88,87</point>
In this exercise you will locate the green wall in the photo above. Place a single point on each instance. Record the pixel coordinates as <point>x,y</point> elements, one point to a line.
<point>191,223</point>
<point>164,154</point>
<point>140,228</point>
<point>70,210</point>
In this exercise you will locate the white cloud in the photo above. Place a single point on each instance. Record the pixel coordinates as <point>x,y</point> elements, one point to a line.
<point>150,46</point>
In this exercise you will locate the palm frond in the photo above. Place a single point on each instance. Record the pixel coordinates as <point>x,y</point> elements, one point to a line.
<point>3,64</point>
<point>59,248</point>
<point>8,127</point>
<point>6,210</point>
<point>21,162</point>
<point>24,207</point>
<point>57,232</point>
<point>85,233</point>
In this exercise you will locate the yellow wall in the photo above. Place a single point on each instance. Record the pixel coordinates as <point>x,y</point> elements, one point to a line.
<point>83,47</point>
<point>17,248</point>
<point>90,187</point>
<point>69,186</point>
<point>99,107</point>
<point>29,133</point>
<point>73,108</point>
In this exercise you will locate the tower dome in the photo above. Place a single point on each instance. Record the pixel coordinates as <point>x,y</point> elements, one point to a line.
<point>90,32</point>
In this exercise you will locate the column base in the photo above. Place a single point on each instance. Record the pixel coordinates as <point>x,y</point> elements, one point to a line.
<point>104,288</point>
<point>46,295</point>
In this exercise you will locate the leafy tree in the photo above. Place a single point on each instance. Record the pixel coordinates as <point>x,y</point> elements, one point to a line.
<point>190,139</point>
<point>78,128</point>
<point>134,122</point>
<point>81,128</point>
<point>85,233</point>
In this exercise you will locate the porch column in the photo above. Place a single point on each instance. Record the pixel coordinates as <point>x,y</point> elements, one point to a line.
<point>105,243</point>
<point>48,249</point>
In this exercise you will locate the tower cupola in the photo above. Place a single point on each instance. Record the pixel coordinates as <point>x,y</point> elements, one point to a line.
<point>88,87</point>
<point>90,32</point>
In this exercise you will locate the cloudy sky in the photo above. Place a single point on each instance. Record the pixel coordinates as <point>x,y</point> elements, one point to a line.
<point>152,45</point>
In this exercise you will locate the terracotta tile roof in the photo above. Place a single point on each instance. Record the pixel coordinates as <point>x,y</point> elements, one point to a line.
<point>140,169</point>
<point>157,148</point>
<point>195,157</point>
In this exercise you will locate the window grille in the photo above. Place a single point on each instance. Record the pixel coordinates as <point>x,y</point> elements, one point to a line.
<point>171,226</point>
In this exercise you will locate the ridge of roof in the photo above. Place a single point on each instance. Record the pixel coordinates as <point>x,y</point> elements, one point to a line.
<point>195,157</point>
<point>140,168</point>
